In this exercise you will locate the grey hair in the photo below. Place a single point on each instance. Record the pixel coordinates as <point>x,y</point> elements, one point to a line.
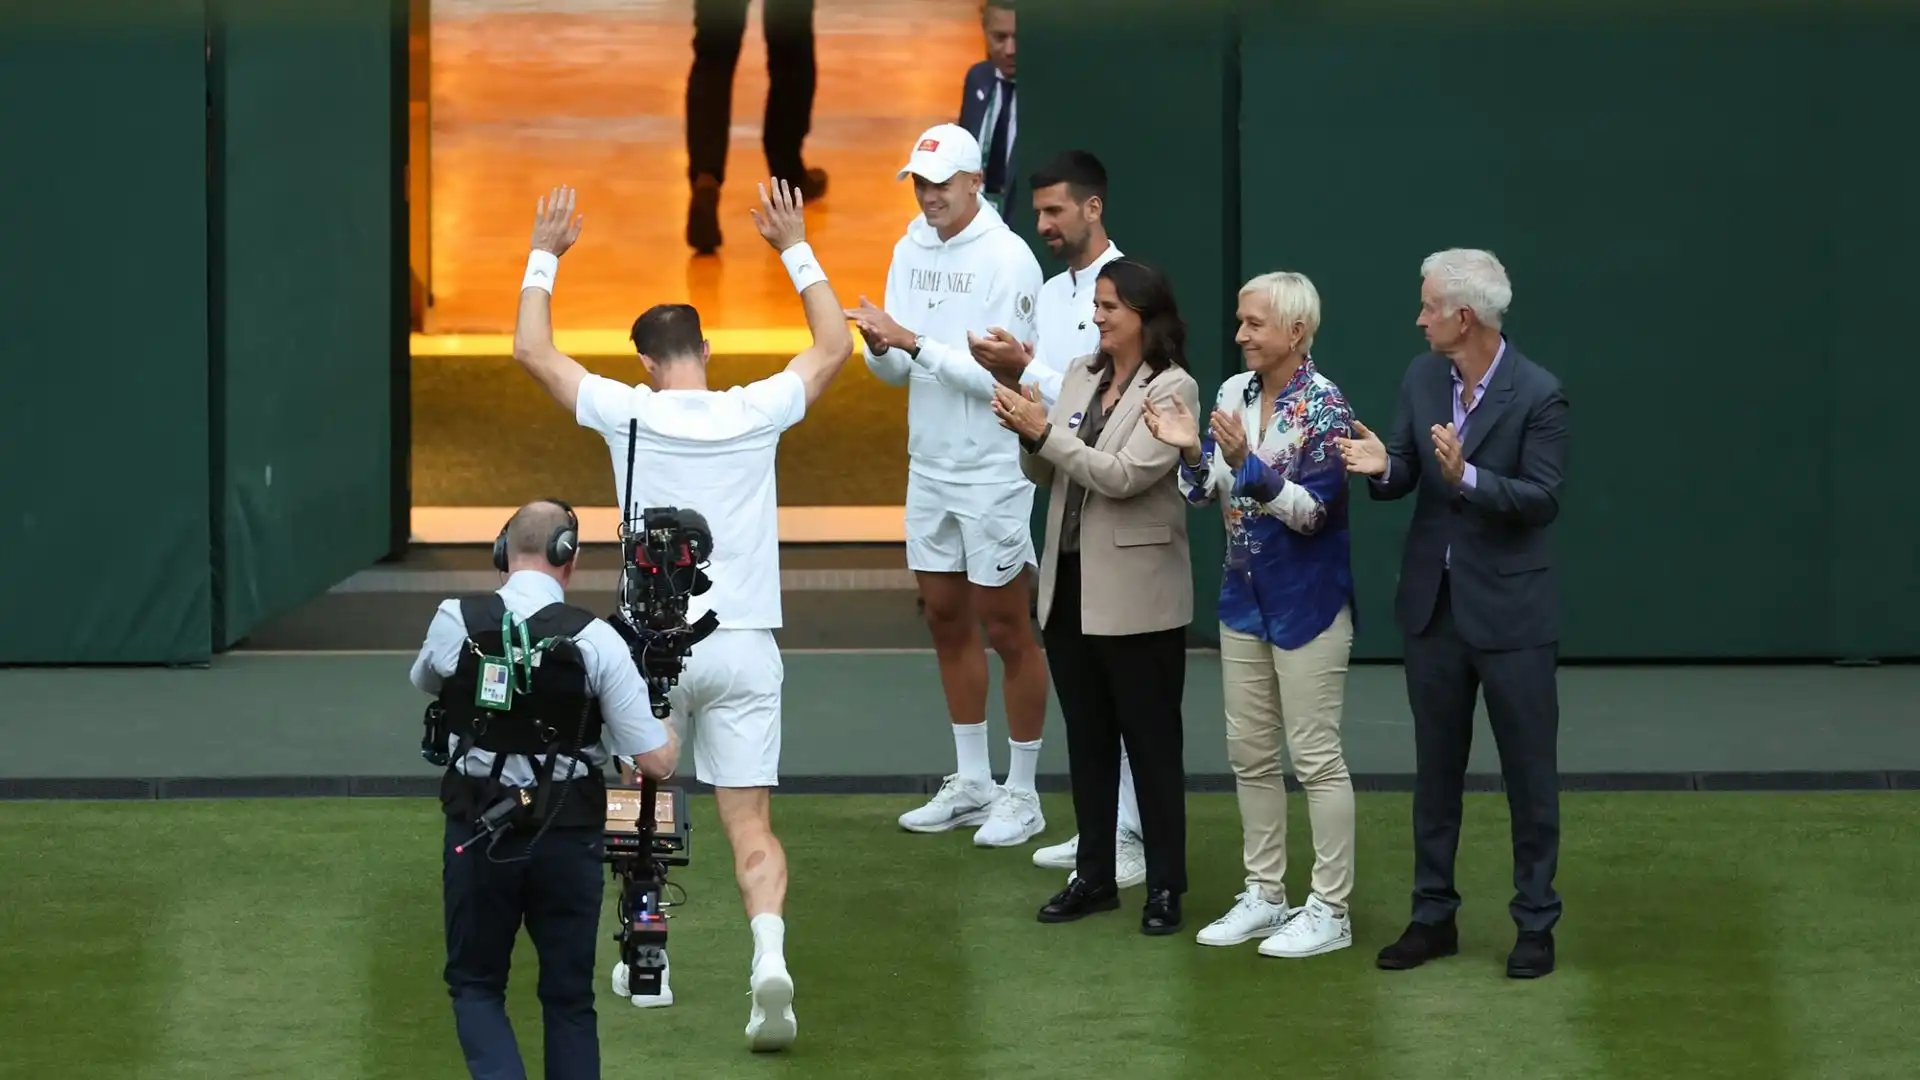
<point>1291,298</point>
<point>1473,279</point>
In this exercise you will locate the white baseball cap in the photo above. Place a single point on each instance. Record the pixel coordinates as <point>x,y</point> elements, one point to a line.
<point>943,149</point>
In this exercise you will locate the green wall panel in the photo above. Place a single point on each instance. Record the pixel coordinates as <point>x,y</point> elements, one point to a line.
<point>104,427</point>
<point>304,100</point>
<point>1167,142</point>
<point>1686,209</point>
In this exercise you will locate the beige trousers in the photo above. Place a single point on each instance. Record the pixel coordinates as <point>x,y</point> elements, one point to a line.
<point>1291,697</point>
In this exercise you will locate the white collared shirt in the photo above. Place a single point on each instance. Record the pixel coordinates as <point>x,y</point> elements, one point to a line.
<point>1065,329</point>
<point>628,726</point>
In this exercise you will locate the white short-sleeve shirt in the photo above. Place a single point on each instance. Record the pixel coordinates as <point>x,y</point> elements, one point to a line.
<point>712,451</point>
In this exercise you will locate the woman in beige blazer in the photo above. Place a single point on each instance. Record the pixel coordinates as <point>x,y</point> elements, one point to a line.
<point>1116,589</point>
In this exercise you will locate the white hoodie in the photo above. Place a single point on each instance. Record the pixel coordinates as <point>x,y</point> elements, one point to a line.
<point>984,277</point>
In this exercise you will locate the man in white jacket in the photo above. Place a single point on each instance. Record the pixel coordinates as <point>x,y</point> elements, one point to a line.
<point>958,271</point>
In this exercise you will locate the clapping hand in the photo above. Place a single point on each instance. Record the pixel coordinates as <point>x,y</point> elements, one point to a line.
<point>1446,450</point>
<point>779,217</point>
<point>1020,412</point>
<point>1176,427</point>
<point>555,228</point>
<point>879,328</point>
<point>1231,436</point>
<point>1365,455</point>
<point>1000,353</point>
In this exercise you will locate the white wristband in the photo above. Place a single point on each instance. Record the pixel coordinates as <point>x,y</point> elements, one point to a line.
<point>802,267</point>
<point>542,267</point>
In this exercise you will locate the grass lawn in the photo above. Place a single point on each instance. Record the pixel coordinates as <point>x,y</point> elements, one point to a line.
<point>1706,935</point>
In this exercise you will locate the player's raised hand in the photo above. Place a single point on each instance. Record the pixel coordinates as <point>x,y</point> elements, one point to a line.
<point>779,216</point>
<point>555,227</point>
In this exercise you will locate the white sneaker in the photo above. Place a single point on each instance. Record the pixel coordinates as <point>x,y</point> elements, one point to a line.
<point>958,802</point>
<point>1129,860</point>
<point>771,1024</point>
<point>1059,856</point>
<point>1014,819</point>
<point>1252,916</point>
<point>1313,930</point>
<point>645,1001</point>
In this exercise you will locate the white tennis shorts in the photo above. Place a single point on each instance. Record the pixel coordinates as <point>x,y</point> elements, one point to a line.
<point>727,704</point>
<point>983,530</point>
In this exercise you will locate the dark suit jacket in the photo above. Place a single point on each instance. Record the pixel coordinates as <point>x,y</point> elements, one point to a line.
<point>976,97</point>
<point>1503,582</point>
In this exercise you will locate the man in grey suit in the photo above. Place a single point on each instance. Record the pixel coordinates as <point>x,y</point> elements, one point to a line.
<point>1479,437</point>
<point>987,104</point>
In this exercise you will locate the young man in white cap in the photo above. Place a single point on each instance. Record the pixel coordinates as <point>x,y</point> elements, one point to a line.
<point>957,272</point>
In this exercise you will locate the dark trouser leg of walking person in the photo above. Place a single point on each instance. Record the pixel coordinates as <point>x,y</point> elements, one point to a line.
<point>718,27</point>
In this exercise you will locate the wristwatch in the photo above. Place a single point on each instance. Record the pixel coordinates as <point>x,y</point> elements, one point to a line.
<point>914,349</point>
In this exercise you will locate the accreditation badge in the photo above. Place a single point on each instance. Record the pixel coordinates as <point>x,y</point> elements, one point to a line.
<point>495,687</point>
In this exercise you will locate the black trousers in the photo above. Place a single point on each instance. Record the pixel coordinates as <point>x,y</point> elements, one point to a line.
<point>1444,675</point>
<point>558,894</point>
<point>718,28</point>
<point>1121,690</point>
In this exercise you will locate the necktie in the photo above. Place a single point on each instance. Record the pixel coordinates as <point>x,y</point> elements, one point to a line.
<point>996,177</point>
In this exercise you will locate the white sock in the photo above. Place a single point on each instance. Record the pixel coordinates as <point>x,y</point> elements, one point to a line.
<point>1026,758</point>
<point>970,744</point>
<point>769,936</point>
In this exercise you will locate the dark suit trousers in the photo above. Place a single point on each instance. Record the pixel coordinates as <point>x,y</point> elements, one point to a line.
<point>718,28</point>
<point>558,894</point>
<point>1116,690</point>
<point>1444,674</point>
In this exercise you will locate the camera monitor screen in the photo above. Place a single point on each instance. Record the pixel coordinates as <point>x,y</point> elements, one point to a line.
<point>623,810</point>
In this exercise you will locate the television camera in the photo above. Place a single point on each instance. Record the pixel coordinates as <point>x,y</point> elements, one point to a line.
<point>663,558</point>
<point>647,831</point>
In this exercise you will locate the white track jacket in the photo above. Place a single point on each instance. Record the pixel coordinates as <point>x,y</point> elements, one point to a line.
<point>984,277</point>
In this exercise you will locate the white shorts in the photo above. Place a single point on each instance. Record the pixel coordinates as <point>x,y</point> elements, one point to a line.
<point>729,696</point>
<point>984,530</point>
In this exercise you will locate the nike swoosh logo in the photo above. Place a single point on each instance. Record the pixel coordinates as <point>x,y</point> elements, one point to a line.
<point>1009,566</point>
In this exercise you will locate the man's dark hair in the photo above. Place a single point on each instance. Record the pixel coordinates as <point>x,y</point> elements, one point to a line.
<point>1003,5</point>
<point>1083,174</point>
<point>668,332</point>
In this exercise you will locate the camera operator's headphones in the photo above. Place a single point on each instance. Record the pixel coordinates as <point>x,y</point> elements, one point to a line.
<point>561,546</point>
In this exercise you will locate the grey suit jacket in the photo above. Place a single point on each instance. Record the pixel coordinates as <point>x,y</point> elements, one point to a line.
<point>1503,581</point>
<point>1135,576</point>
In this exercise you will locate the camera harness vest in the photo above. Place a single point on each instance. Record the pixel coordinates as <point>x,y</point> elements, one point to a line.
<point>521,688</point>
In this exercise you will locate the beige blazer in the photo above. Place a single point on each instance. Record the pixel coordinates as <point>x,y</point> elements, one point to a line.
<point>1135,575</point>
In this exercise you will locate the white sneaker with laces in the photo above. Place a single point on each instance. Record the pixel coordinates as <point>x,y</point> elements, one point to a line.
<point>771,1024</point>
<point>1252,917</point>
<point>958,802</point>
<point>1063,856</point>
<point>1313,930</point>
<point>646,1001</point>
<point>1014,819</point>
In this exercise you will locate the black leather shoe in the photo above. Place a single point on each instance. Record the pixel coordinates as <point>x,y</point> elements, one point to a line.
<point>1079,900</point>
<point>1532,955</point>
<point>1419,943</point>
<point>703,216</point>
<point>1162,913</point>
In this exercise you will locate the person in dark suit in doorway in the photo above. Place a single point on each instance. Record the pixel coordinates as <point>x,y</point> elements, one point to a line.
<point>1480,439</point>
<point>719,27</point>
<point>987,105</point>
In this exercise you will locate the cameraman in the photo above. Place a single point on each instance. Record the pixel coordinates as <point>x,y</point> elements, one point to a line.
<point>712,451</point>
<point>582,699</point>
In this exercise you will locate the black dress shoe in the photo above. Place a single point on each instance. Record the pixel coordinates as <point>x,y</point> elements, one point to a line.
<point>703,216</point>
<point>1419,943</point>
<point>1532,955</point>
<point>1079,900</point>
<point>1162,913</point>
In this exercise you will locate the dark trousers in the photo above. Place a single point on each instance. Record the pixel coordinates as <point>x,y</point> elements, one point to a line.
<point>558,892</point>
<point>1113,691</point>
<point>1444,674</point>
<point>718,28</point>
